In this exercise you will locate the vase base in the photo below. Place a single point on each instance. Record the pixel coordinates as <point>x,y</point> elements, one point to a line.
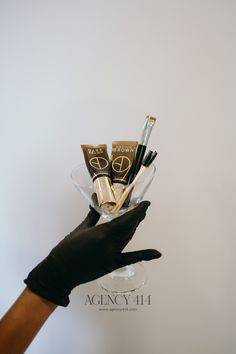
<point>124,280</point>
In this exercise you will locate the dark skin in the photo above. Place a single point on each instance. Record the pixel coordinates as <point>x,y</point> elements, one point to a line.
<point>19,326</point>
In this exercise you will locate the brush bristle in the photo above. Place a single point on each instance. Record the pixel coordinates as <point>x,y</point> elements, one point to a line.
<point>152,118</point>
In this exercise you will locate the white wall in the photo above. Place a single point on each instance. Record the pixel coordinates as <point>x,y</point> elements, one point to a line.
<point>89,71</point>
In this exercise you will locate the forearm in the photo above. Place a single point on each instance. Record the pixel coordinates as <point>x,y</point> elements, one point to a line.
<point>23,321</point>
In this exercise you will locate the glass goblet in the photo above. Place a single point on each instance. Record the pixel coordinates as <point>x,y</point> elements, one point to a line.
<point>131,277</point>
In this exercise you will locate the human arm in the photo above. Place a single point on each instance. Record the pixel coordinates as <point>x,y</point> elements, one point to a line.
<point>23,321</point>
<point>87,253</point>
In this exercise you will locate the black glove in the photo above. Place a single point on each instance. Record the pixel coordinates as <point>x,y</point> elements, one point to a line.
<point>87,253</point>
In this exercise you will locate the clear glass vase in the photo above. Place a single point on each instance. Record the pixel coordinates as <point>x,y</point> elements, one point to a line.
<point>131,277</point>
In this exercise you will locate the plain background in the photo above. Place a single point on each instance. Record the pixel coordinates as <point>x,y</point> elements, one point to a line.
<point>89,71</point>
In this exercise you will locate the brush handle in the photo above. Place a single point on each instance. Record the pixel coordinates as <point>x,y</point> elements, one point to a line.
<point>147,129</point>
<point>128,190</point>
<point>137,162</point>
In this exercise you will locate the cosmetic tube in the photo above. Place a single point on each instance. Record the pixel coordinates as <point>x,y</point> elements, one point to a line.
<point>123,153</point>
<point>97,162</point>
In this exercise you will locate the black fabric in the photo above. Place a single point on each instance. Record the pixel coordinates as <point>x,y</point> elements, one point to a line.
<point>88,253</point>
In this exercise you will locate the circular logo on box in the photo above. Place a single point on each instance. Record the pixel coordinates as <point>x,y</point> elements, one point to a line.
<point>99,163</point>
<point>121,164</point>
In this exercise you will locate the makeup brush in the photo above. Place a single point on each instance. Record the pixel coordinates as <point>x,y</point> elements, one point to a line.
<point>147,128</point>
<point>149,158</point>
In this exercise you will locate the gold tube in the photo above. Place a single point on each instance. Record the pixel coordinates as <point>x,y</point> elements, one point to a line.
<point>123,153</point>
<point>97,162</point>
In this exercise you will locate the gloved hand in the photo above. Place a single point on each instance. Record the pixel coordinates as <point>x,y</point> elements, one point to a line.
<point>87,253</point>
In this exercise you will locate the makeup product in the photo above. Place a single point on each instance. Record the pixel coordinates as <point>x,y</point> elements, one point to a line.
<point>149,158</point>
<point>97,161</point>
<point>147,128</point>
<point>122,158</point>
